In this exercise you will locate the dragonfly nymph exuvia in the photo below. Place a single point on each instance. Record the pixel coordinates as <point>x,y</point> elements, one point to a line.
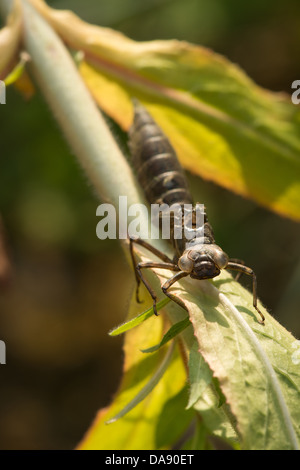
<point>164,182</point>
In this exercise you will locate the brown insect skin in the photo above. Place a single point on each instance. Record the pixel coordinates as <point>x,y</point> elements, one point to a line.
<point>163,180</point>
<point>154,159</point>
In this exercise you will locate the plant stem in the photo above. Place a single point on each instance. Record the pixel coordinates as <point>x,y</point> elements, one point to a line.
<point>77,114</point>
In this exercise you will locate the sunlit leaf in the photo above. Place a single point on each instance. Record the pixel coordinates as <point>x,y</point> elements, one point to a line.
<point>150,424</point>
<point>216,418</point>
<point>133,322</point>
<point>20,78</point>
<point>248,141</point>
<point>224,127</point>
<point>200,375</point>
<point>257,393</point>
<point>253,363</point>
<point>144,392</point>
<point>205,397</point>
<point>171,333</point>
<point>17,71</point>
<point>234,141</point>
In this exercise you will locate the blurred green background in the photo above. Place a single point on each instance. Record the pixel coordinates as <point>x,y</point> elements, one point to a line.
<point>67,289</point>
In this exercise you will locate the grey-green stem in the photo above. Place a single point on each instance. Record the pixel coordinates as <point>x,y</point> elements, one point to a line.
<point>76,112</point>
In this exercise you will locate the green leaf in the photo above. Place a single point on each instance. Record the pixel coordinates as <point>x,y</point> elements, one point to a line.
<point>171,333</point>
<point>144,392</point>
<point>200,375</point>
<point>209,109</point>
<point>141,427</point>
<point>206,398</point>
<point>217,420</point>
<point>253,365</point>
<point>244,356</point>
<point>17,72</point>
<point>199,441</point>
<point>224,127</point>
<point>138,319</point>
<point>174,420</point>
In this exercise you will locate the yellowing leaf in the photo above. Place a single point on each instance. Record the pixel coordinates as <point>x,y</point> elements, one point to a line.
<point>224,127</point>
<point>151,424</point>
<point>244,139</point>
<point>20,78</point>
<point>25,85</point>
<point>10,37</point>
<point>253,363</point>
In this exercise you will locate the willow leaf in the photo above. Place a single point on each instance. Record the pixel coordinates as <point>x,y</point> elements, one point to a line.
<point>133,322</point>
<point>253,363</point>
<point>175,330</point>
<point>224,127</point>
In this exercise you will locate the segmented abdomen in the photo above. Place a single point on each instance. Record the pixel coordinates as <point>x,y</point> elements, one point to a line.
<point>155,161</point>
<point>160,174</point>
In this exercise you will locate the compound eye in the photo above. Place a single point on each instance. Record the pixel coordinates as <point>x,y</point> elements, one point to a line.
<point>220,258</point>
<point>185,263</point>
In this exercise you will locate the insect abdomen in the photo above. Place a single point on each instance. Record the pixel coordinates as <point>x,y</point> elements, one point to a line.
<point>155,161</point>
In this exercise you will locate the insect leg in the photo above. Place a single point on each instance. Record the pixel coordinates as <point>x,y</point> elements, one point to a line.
<point>237,261</point>
<point>152,264</point>
<point>153,250</point>
<point>244,269</point>
<point>169,283</point>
